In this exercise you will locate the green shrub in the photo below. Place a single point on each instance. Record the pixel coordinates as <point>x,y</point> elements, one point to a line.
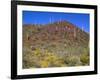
<point>84,58</point>
<point>71,60</point>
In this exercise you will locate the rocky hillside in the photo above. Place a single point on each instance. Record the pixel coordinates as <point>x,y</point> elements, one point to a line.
<point>60,38</point>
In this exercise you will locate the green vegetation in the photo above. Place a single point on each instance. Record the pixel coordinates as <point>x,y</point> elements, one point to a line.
<point>84,58</point>
<point>71,60</point>
<point>37,59</point>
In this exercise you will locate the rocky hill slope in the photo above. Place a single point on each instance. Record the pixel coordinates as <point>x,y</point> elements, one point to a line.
<point>62,39</point>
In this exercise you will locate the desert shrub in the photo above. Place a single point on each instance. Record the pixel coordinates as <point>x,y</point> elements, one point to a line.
<point>71,60</point>
<point>84,58</point>
<point>44,63</point>
<point>38,59</point>
<point>51,60</point>
<point>58,63</point>
<point>30,59</point>
<point>37,52</point>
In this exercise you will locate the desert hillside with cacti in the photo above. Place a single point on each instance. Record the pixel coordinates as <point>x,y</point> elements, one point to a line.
<point>57,44</point>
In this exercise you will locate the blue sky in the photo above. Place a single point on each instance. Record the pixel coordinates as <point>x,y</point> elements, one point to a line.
<point>78,19</point>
